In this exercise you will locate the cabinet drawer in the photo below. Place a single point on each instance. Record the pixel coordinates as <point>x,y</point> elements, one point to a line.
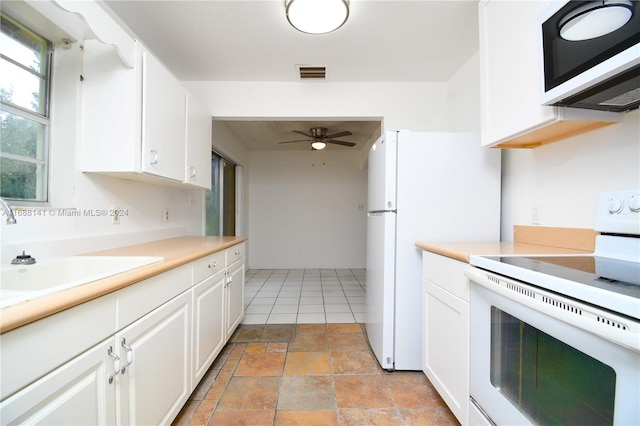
<point>208,265</point>
<point>447,273</point>
<point>235,253</point>
<point>137,300</point>
<point>33,350</point>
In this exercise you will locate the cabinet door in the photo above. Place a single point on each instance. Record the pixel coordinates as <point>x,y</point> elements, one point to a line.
<point>208,323</point>
<point>163,121</point>
<point>153,389</point>
<point>510,69</point>
<point>111,102</point>
<point>234,295</point>
<point>78,392</point>
<point>198,166</point>
<point>446,347</point>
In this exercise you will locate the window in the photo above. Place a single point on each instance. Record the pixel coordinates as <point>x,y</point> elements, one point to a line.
<point>25,64</point>
<point>221,201</point>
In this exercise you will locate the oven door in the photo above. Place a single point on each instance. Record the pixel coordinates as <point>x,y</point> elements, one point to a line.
<point>539,358</point>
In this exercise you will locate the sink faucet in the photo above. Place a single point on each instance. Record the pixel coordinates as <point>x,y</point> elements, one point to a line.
<point>23,259</point>
<point>11,219</point>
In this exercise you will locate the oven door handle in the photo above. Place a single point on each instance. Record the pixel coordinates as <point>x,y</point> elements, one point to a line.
<point>601,323</point>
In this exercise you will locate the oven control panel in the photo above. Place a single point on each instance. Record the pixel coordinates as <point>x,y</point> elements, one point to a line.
<point>618,212</point>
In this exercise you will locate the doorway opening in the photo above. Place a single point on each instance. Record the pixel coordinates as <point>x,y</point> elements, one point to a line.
<point>221,201</point>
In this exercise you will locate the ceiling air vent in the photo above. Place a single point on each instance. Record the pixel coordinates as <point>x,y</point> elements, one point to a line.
<point>312,72</point>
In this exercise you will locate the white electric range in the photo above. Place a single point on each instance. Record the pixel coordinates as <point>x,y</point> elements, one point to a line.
<point>556,339</point>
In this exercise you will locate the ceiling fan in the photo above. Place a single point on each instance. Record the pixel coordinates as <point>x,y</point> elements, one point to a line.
<point>319,138</point>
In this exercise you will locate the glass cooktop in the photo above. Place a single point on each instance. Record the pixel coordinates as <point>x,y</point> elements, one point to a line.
<point>619,276</point>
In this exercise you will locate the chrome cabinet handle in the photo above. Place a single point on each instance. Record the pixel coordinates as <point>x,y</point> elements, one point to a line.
<point>154,160</point>
<point>116,364</point>
<point>213,265</point>
<point>129,355</point>
<point>192,172</point>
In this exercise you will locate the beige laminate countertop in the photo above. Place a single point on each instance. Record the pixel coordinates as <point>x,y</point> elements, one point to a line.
<point>175,251</point>
<point>463,250</point>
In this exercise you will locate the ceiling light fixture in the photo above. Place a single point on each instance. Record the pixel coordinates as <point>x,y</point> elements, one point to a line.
<point>318,145</point>
<point>595,18</point>
<point>317,16</point>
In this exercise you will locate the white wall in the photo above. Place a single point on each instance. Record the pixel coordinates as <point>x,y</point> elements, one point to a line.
<point>77,228</point>
<point>307,209</point>
<point>414,106</point>
<point>66,226</point>
<point>563,179</point>
<point>306,216</point>
<point>227,144</point>
<point>463,98</point>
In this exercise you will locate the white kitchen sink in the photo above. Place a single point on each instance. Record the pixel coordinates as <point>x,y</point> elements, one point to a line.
<point>23,282</point>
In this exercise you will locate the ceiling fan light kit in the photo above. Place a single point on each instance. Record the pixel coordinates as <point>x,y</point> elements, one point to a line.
<point>317,16</point>
<point>319,138</point>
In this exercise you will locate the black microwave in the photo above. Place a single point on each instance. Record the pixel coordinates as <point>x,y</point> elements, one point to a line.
<point>591,54</point>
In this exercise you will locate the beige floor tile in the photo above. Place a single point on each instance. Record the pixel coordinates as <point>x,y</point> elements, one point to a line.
<point>307,363</point>
<point>250,394</point>
<point>261,364</point>
<point>307,418</point>
<point>362,392</point>
<point>309,374</point>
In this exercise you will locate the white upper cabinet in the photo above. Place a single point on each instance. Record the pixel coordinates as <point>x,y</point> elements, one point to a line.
<point>134,119</point>
<point>198,165</point>
<point>163,121</point>
<point>510,74</point>
<point>139,123</point>
<point>111,111</point>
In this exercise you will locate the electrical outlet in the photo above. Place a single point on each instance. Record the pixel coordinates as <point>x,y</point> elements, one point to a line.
<point>536,215</point>
<point>165,217</point>
<point>115,216</point>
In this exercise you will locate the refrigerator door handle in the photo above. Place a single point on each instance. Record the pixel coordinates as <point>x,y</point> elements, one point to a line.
<point>379,212</point>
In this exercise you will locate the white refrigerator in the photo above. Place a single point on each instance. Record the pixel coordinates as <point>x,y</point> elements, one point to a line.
<point>422,187</point>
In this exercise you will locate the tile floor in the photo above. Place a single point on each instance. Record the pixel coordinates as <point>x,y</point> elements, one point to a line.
<point>309,374</point>
<point>304,296</point>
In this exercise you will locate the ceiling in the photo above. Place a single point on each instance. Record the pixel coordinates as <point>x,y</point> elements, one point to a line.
<point>251,40</point>
<point>258,135</point>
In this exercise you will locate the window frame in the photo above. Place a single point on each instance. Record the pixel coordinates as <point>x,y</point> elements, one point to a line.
<point>43,118</point>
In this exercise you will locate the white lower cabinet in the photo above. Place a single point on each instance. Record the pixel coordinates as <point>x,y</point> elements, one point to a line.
<point>234,296</point>
<point>445,307</point>
<point>140,376</point>
<point>78,392</point>
<point>155,351</point>
<point>218,300</point>
<point>166,333</point>
<point>209,332</point>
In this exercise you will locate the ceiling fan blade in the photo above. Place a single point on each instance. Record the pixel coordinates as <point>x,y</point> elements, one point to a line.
<point>344,143</point>
<point>339,134</point>
<point>300,140</point>
<point>303,133</point>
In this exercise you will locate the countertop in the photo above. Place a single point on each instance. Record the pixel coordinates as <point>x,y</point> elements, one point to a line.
<point>175,251</point>
<point>528,240</point>
<point>463,250</point>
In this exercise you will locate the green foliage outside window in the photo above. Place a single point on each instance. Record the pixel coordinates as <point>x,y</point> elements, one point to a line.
<point>24,67</point>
